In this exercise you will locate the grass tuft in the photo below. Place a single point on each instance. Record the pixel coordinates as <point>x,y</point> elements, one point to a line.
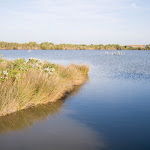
<point>27,84</point>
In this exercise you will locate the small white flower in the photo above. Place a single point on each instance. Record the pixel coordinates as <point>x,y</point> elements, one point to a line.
<point>46,69</point>
<point>5,73</point>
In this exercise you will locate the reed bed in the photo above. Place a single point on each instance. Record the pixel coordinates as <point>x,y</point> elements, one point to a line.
<point>25,84</point>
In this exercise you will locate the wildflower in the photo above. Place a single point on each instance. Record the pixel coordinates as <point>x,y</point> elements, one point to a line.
<point>36,65</point>
<point>35,60</point>
<point>5,73</point>
<point>47,69</point>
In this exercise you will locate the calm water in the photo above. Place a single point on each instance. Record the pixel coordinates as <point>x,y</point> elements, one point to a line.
<point>110,112</point>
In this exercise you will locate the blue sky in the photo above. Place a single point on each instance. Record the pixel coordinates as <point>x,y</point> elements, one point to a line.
<point>75,21</point>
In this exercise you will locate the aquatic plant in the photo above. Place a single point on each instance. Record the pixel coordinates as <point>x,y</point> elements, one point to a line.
<point>25,84</point>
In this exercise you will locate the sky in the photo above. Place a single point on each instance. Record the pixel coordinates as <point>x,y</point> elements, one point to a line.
<point>75,21</point>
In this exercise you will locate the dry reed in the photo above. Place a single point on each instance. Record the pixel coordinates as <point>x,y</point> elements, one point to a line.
<point>27,84</point>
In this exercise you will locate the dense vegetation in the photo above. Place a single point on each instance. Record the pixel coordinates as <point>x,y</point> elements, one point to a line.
<point>27,118</point>
<point>51,46</point>
<point>26,84</point>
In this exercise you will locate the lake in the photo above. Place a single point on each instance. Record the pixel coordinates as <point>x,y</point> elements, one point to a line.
<point>111,111</point>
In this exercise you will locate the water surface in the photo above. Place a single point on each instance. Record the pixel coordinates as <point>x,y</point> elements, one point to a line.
<point>110,112</point>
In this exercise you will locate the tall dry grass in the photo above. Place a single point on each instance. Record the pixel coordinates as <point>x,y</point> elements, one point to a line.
<point>36,86</point>
<point>26,118</point>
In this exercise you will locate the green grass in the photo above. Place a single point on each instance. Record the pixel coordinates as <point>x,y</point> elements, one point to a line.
<point>27,84</point>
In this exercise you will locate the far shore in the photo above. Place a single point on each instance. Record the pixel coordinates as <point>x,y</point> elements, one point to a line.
<point>52,46</point>
<point>78,49</point>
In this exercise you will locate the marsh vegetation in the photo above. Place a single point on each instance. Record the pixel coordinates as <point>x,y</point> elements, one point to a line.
<point>25,84</point>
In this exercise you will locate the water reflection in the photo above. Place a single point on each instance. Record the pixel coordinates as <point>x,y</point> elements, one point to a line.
<point>27,118</point>
<point>47,128</point>
<point>55,133</point>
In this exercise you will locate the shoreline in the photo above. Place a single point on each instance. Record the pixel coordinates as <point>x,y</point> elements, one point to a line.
<point>52,46</point>
<point>75,49</point>
<point>59,96</point>
<point>28,84</point>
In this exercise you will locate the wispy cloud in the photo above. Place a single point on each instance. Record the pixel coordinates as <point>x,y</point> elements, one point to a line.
<point>108,11</point>
<point>104,10</point>
<point>87,19</point>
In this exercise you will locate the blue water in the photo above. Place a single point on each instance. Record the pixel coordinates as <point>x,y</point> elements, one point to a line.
<point>109,112</point>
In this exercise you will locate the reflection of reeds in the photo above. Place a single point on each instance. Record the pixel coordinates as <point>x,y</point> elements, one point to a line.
<point>26,118</point>
<point>38,87</point>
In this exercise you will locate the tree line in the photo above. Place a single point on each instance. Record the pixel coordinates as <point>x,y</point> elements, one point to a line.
<point>52,46</point>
